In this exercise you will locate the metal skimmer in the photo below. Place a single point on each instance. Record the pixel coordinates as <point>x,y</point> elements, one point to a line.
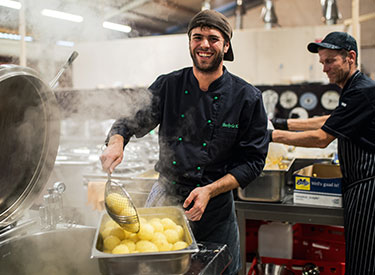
<point>120,207</point>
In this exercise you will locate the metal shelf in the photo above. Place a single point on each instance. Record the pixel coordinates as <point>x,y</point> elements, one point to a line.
<point>284,212</point>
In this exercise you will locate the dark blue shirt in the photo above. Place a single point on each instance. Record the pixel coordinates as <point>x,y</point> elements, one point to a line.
<point>354,117</point>
<point>203,135</point>
<point>353,123</point>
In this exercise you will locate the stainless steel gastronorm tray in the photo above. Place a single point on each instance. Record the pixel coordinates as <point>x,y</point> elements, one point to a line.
<point>268,187</point>
<point>168,262</point>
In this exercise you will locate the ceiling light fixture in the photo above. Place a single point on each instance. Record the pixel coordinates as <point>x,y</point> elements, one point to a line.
<point>62,15</point>
<point>116,27</point>
<point>65,43</point>
<point>11,4</point>
<point>13,36</point>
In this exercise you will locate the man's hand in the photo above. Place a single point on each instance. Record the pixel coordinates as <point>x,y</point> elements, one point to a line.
<point>113,154</point>
<point>199,197</point>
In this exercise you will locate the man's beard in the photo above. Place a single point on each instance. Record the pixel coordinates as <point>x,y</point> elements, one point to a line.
<point>213,66</point>
<point>341,77</point>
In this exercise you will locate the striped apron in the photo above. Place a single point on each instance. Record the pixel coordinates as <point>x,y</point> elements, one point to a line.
<point>358,169</point>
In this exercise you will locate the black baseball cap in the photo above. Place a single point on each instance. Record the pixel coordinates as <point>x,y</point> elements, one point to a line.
<point>335,41</point>
<point>214,19</point>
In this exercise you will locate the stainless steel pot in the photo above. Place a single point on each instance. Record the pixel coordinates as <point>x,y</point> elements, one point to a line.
<point>29,138</point>
<point>58,252</point>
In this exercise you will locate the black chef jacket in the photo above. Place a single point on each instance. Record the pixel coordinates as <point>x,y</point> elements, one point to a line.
<point>203,135</point>
<point>353,123</point>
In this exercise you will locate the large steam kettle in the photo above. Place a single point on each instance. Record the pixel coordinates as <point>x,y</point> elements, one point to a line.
<point>29,139</point>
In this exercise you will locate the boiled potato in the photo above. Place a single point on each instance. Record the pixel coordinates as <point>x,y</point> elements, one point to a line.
<point>130,244</point>
<point>158,236</point>
<point>157,225</point>
<point>155,234</point>
<point>118,232</point>
<point>133,237</point>
<point>171,235</point>
<point>116,203</point>
<point>127,234</point>
<point>168,223</point>
<point>179,245</point>
<point>128,211</point>
<point>132,228</point>
<point>111,223</point>
<point>120,249</point>
<point>111,242</point>
<point>163,245</point>
<point>146,246</point>
<point>180,231</point>
<point>106,232</point>
<point>146,232</point>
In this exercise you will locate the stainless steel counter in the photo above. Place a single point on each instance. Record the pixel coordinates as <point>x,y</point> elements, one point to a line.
<point>284,212</point>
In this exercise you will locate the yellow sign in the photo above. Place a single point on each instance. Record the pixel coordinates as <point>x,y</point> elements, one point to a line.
<point>302,183</point>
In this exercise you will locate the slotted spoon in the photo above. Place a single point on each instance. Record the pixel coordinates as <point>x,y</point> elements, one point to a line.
<point>120,207</point>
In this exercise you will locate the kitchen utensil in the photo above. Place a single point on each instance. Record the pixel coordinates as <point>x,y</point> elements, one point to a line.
<point>120,207</point>
<point>273,269</point>
<point>72,57</point>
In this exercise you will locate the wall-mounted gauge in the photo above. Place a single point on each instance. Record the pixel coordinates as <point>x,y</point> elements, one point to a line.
<point>288,99</point>
<point>308,101</point>
<point>270,96</point>
<point>330,99</point>
<point>270,99</point>
<point>298,112</point>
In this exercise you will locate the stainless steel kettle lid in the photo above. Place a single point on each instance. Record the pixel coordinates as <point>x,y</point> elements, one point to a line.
<point>29,139</point>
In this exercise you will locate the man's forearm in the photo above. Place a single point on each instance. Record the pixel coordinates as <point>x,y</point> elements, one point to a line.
<point>222,185</point>
<point>313,138</point>
<point>314,123</point>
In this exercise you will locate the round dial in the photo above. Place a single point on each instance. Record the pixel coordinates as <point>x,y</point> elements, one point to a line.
<point>270,99</point>
<point>330,99</point>
<point>288,99</point>
<point>298,112</point>
<point>308,101</point>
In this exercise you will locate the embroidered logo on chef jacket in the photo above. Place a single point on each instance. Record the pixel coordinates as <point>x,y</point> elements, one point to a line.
<point>303,183</point>
<point>229,125</point>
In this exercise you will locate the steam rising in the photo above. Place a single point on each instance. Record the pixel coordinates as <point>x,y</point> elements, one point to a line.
<point>42,53</point>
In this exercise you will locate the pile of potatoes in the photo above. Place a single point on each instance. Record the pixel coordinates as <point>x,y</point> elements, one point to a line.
<point>155,235</point>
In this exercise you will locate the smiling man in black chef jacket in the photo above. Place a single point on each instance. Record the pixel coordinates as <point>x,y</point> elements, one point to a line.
<point>353,124</point>
<point>212,135</point>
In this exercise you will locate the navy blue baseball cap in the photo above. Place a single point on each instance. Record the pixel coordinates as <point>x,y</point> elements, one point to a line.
<point>335,41</point>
